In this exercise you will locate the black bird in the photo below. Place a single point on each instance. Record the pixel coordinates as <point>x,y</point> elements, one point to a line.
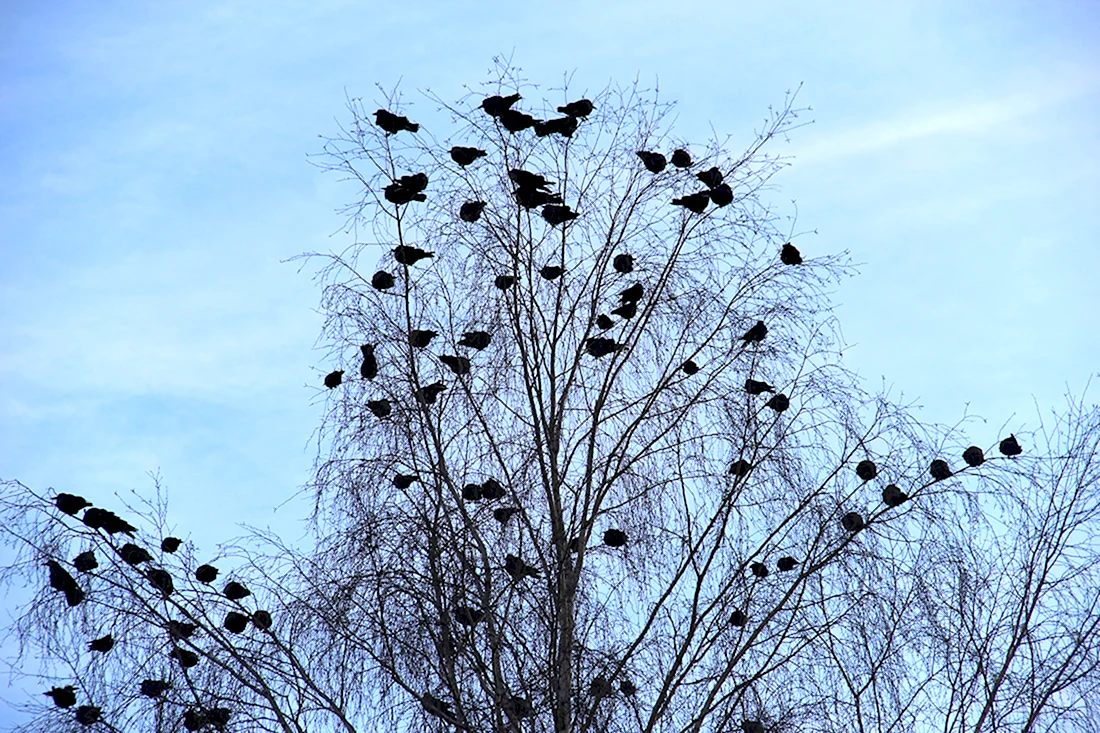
<point>62,581</point>
<point>681,158</point>
<point>626,310</point>
<point>109,521</point>
<point>690,367</point>
<point>759,569</point>
<point>392,123</point>
<point>756,333</point>
<point>503,282</point>
<point>852,522</point>
<point>153,688</point>
<point>557,214</point>
<point>380,408</point>
<point>513,120</point>
<point>632,294</point>
<point>740,468</point>
<point>195,719</point>
<point>599,686</point>
<point>779,402</point>
<point>866,470</point>
<point>206,573</point>
<point>623,264</point>
<point>598,347</point>
<point>407,255</point>
<point>102,645</point>
<point>397,193</point>
<point>939,470</point>
<point>218,717</point>
<point>738,618</point>
<point>580,108</point>
<point>721,195</point>
<point>63,697</point>
<point>70,503</point>
<point>369,368</point>
<point>892,496</point>
<point>465,156</point>
<point>532,198</point>
<point>181,630</point>
<point>752,726</point>
<point>404,480</point>
<point>526,179</point>
<point>710,178</point>
<point>564,126</point>
<point>754,387</point>
<point>786,563</point>
<point>604,322</point>
<point>551,272</point>
<point>1010,447</point>
<point>85,562</point>
<point>615,538</point>
<point>518,707</point>
<point>467,616</point>
<point>695,202</point>
<point>428,395</point>
<point>497,104</point>
<point>627,687</point>
<point>458,364</point>
<point>88,715</point>
<point>475,339</point>
<point>421,338</point>
<point>434,706</point>
<point>234,591</point>
<point>790,255</point>
<point>333,379</point>
<point>161,580</point>
<point>235,622</point>
<point>185,657</point>
<point>492,490</point>
<point>382,280</point>
<point>471,492</point>
<point>414,183</point>
<point>653,162</point>
<point>170,544</point>
<point>262,620</point>
<point>470,211</point>
<point>133,555</point>
<point>504,513</point>
<point>974,456</point>
<point>518,569</point>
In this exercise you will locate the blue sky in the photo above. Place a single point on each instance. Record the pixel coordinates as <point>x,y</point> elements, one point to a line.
<point>153,176</point>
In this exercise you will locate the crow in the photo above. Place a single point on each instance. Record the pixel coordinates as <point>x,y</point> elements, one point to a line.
<point>492,490</point>
<point>178,630</point>
<point>604,322</point>
<point>759,569</point>
<point>471,492</point>
<point>392,123</point>
<point>627,687</point>
<point>70,503</point>
<point>710,178</point>
<point>262,620</point>
<point>599,686</point>
<point>458,364</point>
<point>721,195</point>
<point>504,513</point>
<point>892,496</point>
<point>939,470</point>
<point>754,387</point>
<point>615,538</point>
<point>235,622</point>
<point>195,719</point>
<point>380,408</point>
<point>756,333</point>
<point>752,726</point>
<point>738,619</point>
<point>564,126</point>
<point>470,211</point>
<point>88,715</point>
<point>632,294</point>
<point>382,280</point>
<point>852,522</point>
<point>532,198</point>
<point>63,697</point>
<point>218,717</point>
<point>465,156</point>
<point>740,468</point>
<point>790,255</point>
<point>623,264</point>
<point>653,162</point>
<point>580,108</point>
<point>333,379</point>
<point>185,657</point>
<point>626,310</point>
<point>234,591</point>
<point>85,562</point>
<point>475,339</point>
<point>681,158</point>
<point>518,569</point>
<point>421,338</point>
<point>514,120</point>
<point>497,104</point>
<point>517,707</point>
<point>690,367</point>
<point>866,470</point>
<point>598,347</point>
<point>133,555</point>
<point>786,563</point>
<point>206,573</point>
<point>526,179</point>
<point>108,521</point>
<point>414,183</point>
<point>161,580</point>
<point>695,203</point>
<point>503,282</point>
<point>779,402</point>
<point>398,194</point>
<point>170,544</point>
<point>551,272</point>
<point>102,645</point>
<point>407,255</point>
<point>62,581</point>
<point>434,706</point>
<point>404,480</point>
<point>153,688</point>
<point>1010,447</point>
<point>974,456</point>
<point>556,214</point>
<point>369,368</point>
<point>428,395</point>
<point>467,616</point>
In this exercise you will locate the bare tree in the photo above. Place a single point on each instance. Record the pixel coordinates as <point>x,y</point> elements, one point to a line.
<point>592,462</point>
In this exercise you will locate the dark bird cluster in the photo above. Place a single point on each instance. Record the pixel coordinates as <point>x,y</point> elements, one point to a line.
<point>392,123</point>
<point>464,156</point>
<point>407,189</point>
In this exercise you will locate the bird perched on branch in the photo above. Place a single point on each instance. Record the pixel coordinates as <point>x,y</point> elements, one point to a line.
<point>604,322</point>
<point>598,347</point>
<point>504,513</point>
<point>458,364</point>
<point>1010,447</point>
<point>939,469</point>
<point>738,619</point>
<point>102,645</point>
<point>779,402</point>
<point>262,620</point>
<point>754,387</point>
<point>380,408</point>
<point>406,190</point>
<point>407,255</point>
<point>420,338</point>
<point>382,280</point>
<point>711,177</point>
<point>626,310</point>
<point>334,379</point>
<point>434,706</point>
<point>153,688</point>
<point>579,108</point>
<point>185,657</point>
<point>85,562</point>
<point>623,264</point>
<point>497,104</point>
<point>492,490</point>
<point>696,203</point>
<point>556,214</point>
<point>615,538</point>
<point>206,573</point>
<point>740,468</point>
<point>369,368</point>
<point>392,123</point>
<point>88,715</point>
<point>790,255</point>
<point>470,211</point>
<point>513,120</point>
<point>755,334</point>
<point>475,339</point>
<point>786,563</point>
<point>526,179</point>
<point>235,622</point>
<point>467,616</point>
<point>759,569</point>
<point>161,580</point>
<point>503,282</point>
<point>471,492</point>
<point>974,456</point>
<point>234,591</point>
<point>518,569</point>
<point>681,158</point>
<point>404,480</point>
<point>108,521</point>
<point>464,156</point>
<point>131,554</point>
<point>721,195</point>
<point>60,580</point>
<point>70,503</point>
<point>551,272</point>
<point>632,294</point>
<point>852,522</point>
<point>564,126</point>
<point>178,630</point>
<point>428,395</point>
<point>892,496</point>
<point>866,470</point>
<point>653,162</point>
<point>532,198</point>
<point>63,697</point>
<point>690,367</point>
<point>170,544</point>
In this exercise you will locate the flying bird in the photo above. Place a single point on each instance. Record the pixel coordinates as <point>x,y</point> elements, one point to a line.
<point>503,282</point>
<point>464,156</point>
<point>754,387</point>
<point>721,195</point>
<point>1010,447</point>
<point>234,591</point>
<point>333,379</point>
<point>759,569</point>
<point>711,177</point>
<point>756,333</point>
<point>170,544</point>
<point>564,126</point>
<point>475,339</point>
<point>102,645</point>
<point>514,120</point>
<point>615,538</point>
<point>556,214</point>
<point>518,569</point>
<point>60,580</point>
<point>206,573</point>
<point>133,555</point>
<point>551,272</point>
<point>790,255</point>
<point>407,255</point>
<point>681,158</point>
<point>497,104</point>
<point>404,480</point>
<point>604,322</point>
<point>653,162</point>
<point>852,522</point>
<point>458,364</point>
<point>428,395</point>
<point>382,280</point>
<point>974,456</point>
<point>63,697</point>
<point>892,496</point>
<point>786,563</point>
<point>235,622</point>
<point>690,367</point>
<point>85,562</point>
<point>392,123</point>
<point>580,108</point>
<point>70,503</point>
<point>623,264</point>
<point>695,203</point>
<point>470,211</point>
<point>369,368</point>
<point>866,470</point>
<point>420,338</point>
<point>598,347</point>
<point>779,402</point>
<point>939,470</point>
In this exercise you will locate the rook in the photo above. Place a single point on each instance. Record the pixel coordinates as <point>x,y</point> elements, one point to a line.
<point>465,156</point>
<point>458,364</point>
<point>470,211</point>
<point>615,538</point>
<point>63,697</point>
<point>407,255</point>
<point>695,202</point>
<point>790,255</point>
<point>866,470</point>
<point>939,470</point>
<point>681,158</point>
<point>974,456</point>
<point>754,387</point>
<point>1010,447</point>
<point>580,108</point>
<point>475,339</point>
<point>421,338</point>
<point>497,104</point>
<point>333,379</point>
<point>71,503</point>
<point>892,496</point>
<point>369,368</point>
<point>382,280</point>
<point>653,162</point>
<point>392,123</point>
<point>380,408</point>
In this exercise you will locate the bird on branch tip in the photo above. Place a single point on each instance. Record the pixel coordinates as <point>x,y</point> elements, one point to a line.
<point>653,162</point>
<point>470,211</point>
<point>206,573</point>
<point>333,379</point>
<point>974,456</point>
<point>102,645</point>
<point>790,255</point>
<point>579,108</point>
<point>392,123</point>
<point>695,203</point>
<point>1010,447</point>
<point>681,158</point>
<point>407,255</point>
<point>497,104</point>
<point>170,544</point>
<point>464,156</point>
<point>382,280</point>
<point>755,334</point>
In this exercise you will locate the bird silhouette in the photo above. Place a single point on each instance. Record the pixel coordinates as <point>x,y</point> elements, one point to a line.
<point>681,158</point>
<point>653,162</point>
<point>974,456</point>
<point>564,126</point>
<point>790,255</point>
<point>491,489</point>
<point>721,195</point>
<point>206,573</point>
<point>503,282</point>
<point>234,591</point>
<point>892,496</point>
<point>382,280</point>
<point>623,264</point>
<point>170,544</point>
<point>599,347</point>
<point>392,123</point>
<point>380,408</point>
<point>786,563</point>
<point>599,687</point>
<point>475,339</point>
<point>458,364</point>
<point>153,688</point>
<point>397,193</point>
<point>235,622</point>
<point>759,569</point>
<point>218,718</point>
<point>467,616</point>
<point>471,492</point>
<point>626,310</point>
<point>779,402</point>
<point>88,715</point>
<point>421,338</point>
<point>464,156</point>
<point>1010,447</point>
<point>497,104</point>
<point>551,272</point>
<point>63,697</point>
<point>504,513</point>
<point>178,630</point>
<point>404,480</point>
<point>740,468</point>
<point>161,580</point>
<point>695,203</point>
<point>131,554</point>
<point>754,387</point>
<point>556,214</point>
<point>756,333</point>
<point>514,120</point>
<point>70,503</point>
<point>690,367</point>
<point>434,706</point>
<point>333,379</point>
<point>532,198</point>
<point>517,707</point>
<point>407,255</point>
<point>470,211</point>
<point>752,726</point>
<point>627,687</point>
<point>518,569</point>
<point>711,177</point>
<point>852,522</point>
<point>102,645</point>
<point>579,108</point>
<point>738,619</point>
<point>632,294</point>
<point>527,179</point>
<point>195,719</point>
<point>185,657</point>
<point>615,538</point>
<point>939,469</point>
<point>60,580</point>
<point>604,322</point>
<point>866,470</point>
<point>262,620</point>
<point>428,395</point>
<point>85,562</point>
<point>108,521</point>
<point>369,368</point>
